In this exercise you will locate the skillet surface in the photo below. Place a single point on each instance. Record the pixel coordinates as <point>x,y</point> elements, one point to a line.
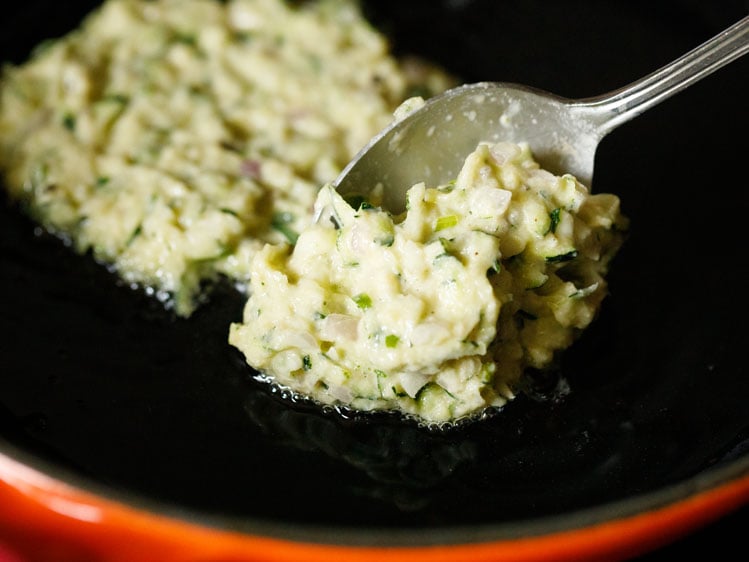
<point>99,381</point>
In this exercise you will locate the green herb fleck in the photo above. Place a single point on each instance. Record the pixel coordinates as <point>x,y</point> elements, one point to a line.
<point>399,393</point>
<point>68,121</point>
<point>487,372</point>
<point>281,222</point>
<point>391,340</point>
<point>186,39</point>
<point>380,375</point>
<point>358,202</point>
<point>447,246</point>
<point>445,222</point>
<point>386,240</point>
<point>306,363</point>
<point>362,300</point>
<point>571,255</point>
<point>335,222</point>
<point>554,220</point>
<point>137,232</point>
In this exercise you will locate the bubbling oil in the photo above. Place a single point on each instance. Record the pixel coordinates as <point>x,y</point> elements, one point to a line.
<point>539,385</point>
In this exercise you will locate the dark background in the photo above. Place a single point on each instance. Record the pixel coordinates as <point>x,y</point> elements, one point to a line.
<point>99,380</point>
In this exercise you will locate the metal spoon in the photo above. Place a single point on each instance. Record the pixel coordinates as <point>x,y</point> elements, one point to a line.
<point>431,143</point>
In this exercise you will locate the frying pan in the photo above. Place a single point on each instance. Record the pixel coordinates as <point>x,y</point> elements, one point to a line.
<point>129,434</point>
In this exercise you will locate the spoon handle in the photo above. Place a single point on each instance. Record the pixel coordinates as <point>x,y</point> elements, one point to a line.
<point>614,108</point>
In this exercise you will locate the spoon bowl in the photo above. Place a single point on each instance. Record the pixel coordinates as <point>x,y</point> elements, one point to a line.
<point>431,143</point>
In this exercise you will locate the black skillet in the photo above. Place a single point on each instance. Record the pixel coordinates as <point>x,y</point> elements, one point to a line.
<point>103,387</point>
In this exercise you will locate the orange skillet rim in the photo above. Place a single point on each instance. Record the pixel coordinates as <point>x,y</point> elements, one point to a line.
<point>36,493</point>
